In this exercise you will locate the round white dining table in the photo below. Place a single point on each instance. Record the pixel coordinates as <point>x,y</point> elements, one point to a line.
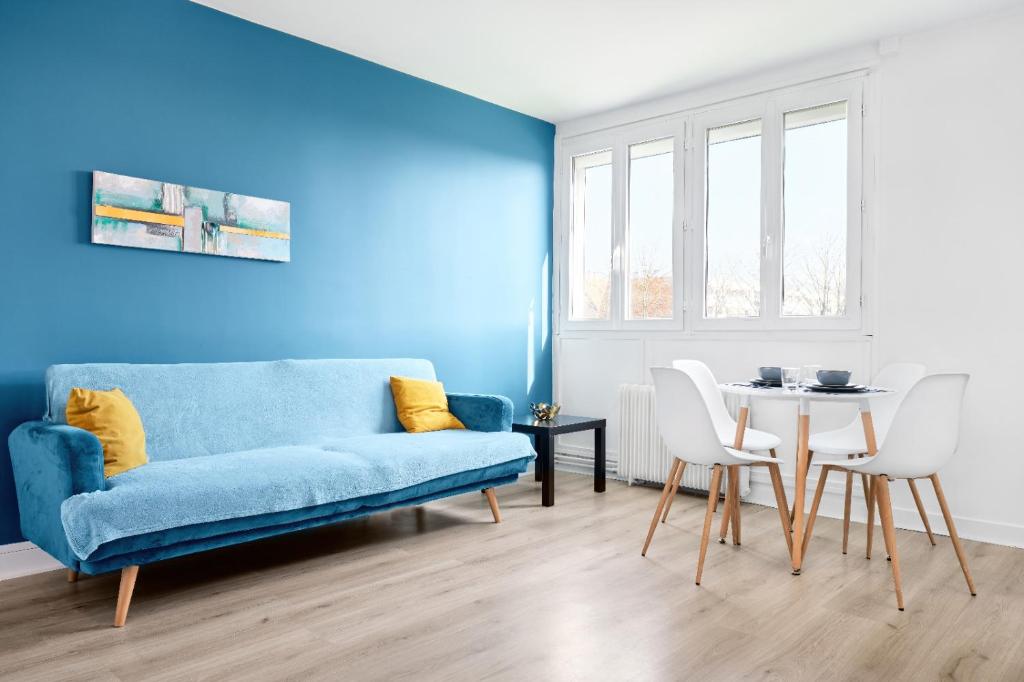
<point>804,397</point>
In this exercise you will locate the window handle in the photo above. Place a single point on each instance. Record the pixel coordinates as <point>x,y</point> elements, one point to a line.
<point>767,246</point>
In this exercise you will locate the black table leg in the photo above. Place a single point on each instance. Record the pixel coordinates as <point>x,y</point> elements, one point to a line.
<point>538,464</point>
<point>544,445</point>
<point>599,463</point>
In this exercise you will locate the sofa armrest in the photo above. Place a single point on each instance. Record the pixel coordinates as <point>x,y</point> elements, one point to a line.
<point>482,412</point>
<point>52,462</point>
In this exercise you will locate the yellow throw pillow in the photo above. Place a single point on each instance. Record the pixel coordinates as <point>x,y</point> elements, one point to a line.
<point>112,418</point>
<point>422,405</point>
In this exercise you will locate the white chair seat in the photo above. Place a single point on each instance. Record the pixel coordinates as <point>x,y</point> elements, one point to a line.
<point>860,464</point>
<point>848,440</point>
<point>747,458</point>
<point>752,439</point>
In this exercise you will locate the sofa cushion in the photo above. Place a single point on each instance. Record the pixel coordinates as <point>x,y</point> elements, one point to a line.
<point>422,405</point>
<point>174,492</point>
<point>191,410</point>
<point>112,418</point>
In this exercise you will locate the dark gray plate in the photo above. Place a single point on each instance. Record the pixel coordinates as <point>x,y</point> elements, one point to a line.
<point>848,388</point>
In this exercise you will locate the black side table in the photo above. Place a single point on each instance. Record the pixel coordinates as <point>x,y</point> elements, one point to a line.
<point>544,442</point>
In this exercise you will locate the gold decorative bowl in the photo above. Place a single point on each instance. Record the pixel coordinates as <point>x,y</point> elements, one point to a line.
<point>544,412</point>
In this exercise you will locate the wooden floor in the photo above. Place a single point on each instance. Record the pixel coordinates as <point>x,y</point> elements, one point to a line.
<point>441,592</point>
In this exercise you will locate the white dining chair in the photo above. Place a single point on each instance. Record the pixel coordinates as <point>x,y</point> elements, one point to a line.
<point>923,436</point>
<point>725,427</point>
<point>689,433</point>
<point>849,442</point>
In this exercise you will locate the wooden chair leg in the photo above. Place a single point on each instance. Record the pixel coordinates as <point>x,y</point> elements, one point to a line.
<point>865,486</point>
<point>889,530</point>
<point>871,516</point>
<point>676,463</point>
<point>722,496</point>
<point>736,516</point>
<point>782,504</point>
<point>716,479</point>
<point>814,509</point>
<point>124,594</point>
<point>792,512</point>
<point>727,509</point>
<point>492,500</point>
<point>920,510</point>
<point>72,576</point>
<point>675,489</point>
<point>847,499</point>
<point>952,533</point>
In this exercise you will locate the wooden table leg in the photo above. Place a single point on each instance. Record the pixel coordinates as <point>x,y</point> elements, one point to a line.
<point>872,446</point>
<point>599,460</point>
<point>546,455</point>
<point>802,437</point>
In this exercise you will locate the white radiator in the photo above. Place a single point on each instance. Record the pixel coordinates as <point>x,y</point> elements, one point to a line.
<point>642,454</point>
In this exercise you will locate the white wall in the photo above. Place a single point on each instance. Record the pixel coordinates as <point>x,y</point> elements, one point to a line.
<point>948,261</point>
<point>951,244</point>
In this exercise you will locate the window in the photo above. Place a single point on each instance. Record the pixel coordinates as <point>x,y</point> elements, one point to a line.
<point>649,241</point>
<point>742,215</point>
<point>732,280</point>
<point>591,242</point>
<point>814,211</point>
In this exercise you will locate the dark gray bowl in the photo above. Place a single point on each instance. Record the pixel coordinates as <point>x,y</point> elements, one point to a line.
<point>770,373</point>
<point>833,377</point>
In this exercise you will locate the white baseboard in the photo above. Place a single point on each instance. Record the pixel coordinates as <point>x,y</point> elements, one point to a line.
<point>24,558</point>
<point>580,460</point>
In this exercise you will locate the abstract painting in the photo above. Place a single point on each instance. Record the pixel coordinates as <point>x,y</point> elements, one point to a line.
<point>148,214</point>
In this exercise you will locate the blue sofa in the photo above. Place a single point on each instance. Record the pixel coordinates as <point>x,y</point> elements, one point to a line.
<point>242,451</point>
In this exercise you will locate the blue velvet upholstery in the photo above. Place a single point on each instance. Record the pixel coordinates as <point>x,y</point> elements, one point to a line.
<point>241,451</point>
<point>52,463</point>
<point>481,412</point>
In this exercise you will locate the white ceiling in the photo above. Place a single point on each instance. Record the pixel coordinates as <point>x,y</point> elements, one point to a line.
<point>560,59</point>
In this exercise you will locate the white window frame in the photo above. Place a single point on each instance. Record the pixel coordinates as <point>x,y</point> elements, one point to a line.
<point>696,269</point>
<point>574,260</point>
<point>688,262</point>
<point>619,141</point>
<point>853,93</point>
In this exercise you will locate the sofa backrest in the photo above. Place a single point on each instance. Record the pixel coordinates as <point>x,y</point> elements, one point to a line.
<point>190,410</point>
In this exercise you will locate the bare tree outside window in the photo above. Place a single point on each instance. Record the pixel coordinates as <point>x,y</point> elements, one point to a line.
<point>650,294</point>
<point>817,286</point>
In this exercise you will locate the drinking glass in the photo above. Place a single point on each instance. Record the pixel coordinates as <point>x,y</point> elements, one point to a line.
<point>790,378</point>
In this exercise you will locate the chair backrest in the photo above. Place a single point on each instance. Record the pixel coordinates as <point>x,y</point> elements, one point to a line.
<point>900,376</point>
<point>926,429</point>
<point>708,387</point>
<point>683,419</point>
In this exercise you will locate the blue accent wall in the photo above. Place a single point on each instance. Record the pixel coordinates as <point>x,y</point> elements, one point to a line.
<point>421,217</point>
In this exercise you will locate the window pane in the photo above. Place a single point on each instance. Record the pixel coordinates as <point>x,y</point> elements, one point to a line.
<point>650,230</point>
<point>732,286</point>
<point>590,286</point>
<point>814,204</point>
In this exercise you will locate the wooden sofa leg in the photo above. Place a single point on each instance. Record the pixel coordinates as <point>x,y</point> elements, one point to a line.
<point>124,594</point>
<point>72,576</point>
<point>493,501</point>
